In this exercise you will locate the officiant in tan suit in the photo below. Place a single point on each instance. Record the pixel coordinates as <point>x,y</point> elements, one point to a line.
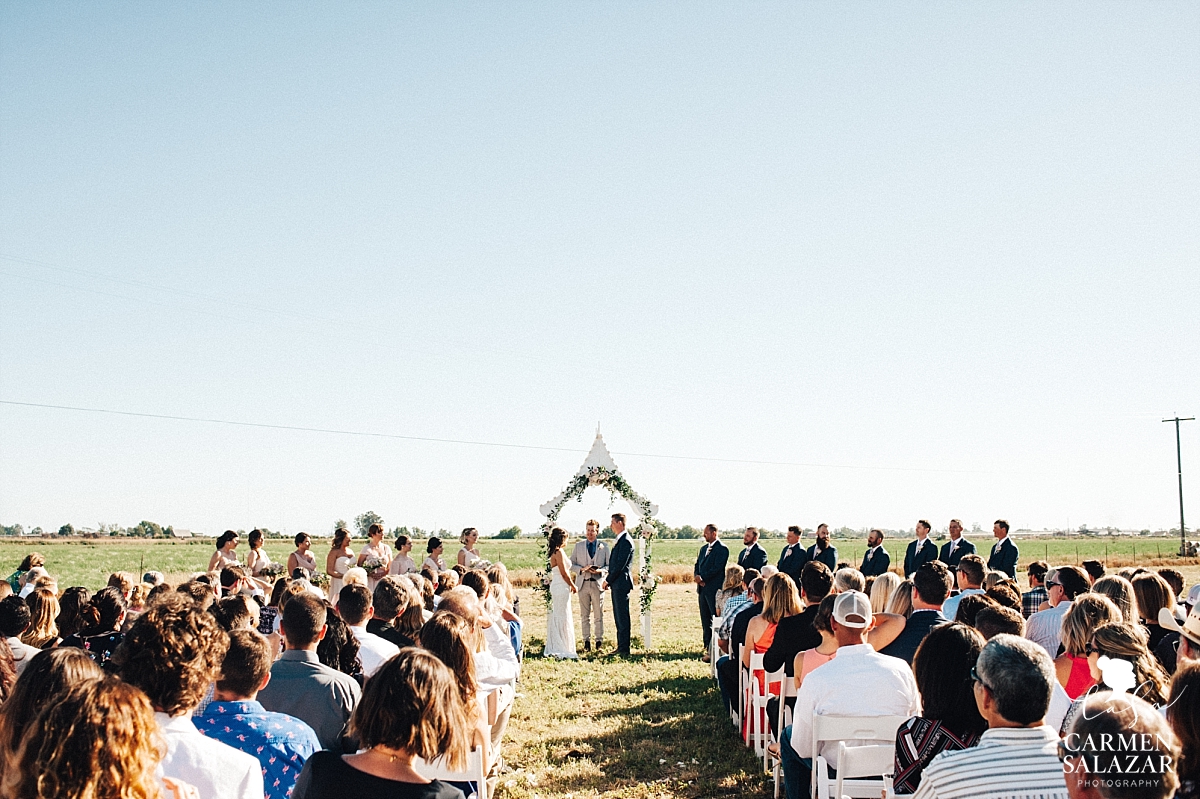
<point>589,563</point>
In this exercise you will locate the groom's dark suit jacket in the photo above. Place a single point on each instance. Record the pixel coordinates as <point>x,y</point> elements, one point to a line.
<point>619,561</point>
<point>710,567</point>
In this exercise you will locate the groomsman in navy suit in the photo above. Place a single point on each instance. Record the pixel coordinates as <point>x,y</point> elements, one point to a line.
<point>753,556</point>
<point>794,556</point>
<point>709,575</point>
<point>921,551</point>
<point>1004,552</point>
<point>822,551</point>
<point>954,549</point>
<point>876,560</point>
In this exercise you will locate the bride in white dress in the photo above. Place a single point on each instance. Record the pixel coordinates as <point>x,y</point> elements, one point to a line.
<point>560,625</point>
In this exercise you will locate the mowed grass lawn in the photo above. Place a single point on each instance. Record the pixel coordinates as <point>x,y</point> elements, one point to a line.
<point>90,562</point>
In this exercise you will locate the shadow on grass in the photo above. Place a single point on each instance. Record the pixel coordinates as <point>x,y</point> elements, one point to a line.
<point>678,740</point>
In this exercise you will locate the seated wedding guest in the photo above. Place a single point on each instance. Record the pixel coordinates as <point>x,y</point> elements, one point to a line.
<point>30,580</point>
<point>429,586</point>
<point>1006,595</point>
<point>1017,755</point>
<point>900,602</point>
<point>268,617</point>
<point>1062,586</point>
<point>355,575</point>
<point>728,665</point>
<point>1086,614</point>
<point>1094,569</point>
<point>355,607</point>
<point>968,609</point>
<point>234,580</point>
<point>838,689</point>
<point>201,593</point>
<point>97,740</point>
<point>412,709</point>
<point>1119,642</point>
<point>302,558</point>
<point>1188,645</point>
<point>403,563</point>
<point>49,675</point>
<point>454,641</point>
<point>16,580</point>
<point>433,561</point>
<point>781,600</point>
<point>281,743</point>
<point>949,719</point>
<point>996,620</point>
<point>510,606</point>
<point>848,579</point>
<point>236,613</point>
<point>809,659</point>
<point>931,586</point>
<point>14,621</point>
<point>1153,593</point>
<point>391,600</point>
<point>796,633</point>
<point>1120,591</point>
<point>1114,732</point>
<point>71,606</point>
<point>8,670</point>
<point>731,587</point>
<point>1031,600</point>
<point>303,687</point>
<point>1173,578</point>
<point>102,619</point>
<point>339,649</point>
<point>1183,712</point>
<point>138,595</point>
<point>970,581</point>
<point>173,653</point>
<point>734,605</point>
<point>882,589</point>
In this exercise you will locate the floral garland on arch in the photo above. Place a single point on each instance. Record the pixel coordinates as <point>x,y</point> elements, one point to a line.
<point>616,485</point>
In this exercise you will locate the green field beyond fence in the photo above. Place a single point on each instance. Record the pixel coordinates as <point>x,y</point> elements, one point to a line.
<point>90,562</point>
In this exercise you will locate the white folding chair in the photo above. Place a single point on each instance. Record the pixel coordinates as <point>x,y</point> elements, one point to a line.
<point>760,724</point>
<point>855,762</point>
<point>714,649</point>
<point>859,729</point>
<point>474,772</point>
<point>737,708</point>
<point>787,691</point>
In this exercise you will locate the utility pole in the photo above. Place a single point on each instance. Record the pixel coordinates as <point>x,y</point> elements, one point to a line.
<point>1179,461</point>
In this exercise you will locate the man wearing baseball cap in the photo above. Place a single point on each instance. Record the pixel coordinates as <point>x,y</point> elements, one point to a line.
<point>839,691</point>
<point>1189,630</point>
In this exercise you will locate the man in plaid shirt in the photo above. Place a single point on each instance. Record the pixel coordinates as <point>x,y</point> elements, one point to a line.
<point>732,606</point>
<point>1032,599</point>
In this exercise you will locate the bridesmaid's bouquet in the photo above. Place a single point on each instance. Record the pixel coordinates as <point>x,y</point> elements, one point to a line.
<point>371,565</point>
<point>272,571</point>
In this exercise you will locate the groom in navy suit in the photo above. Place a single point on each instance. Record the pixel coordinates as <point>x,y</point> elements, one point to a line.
<point>709,575</point>
<point>619,579</point>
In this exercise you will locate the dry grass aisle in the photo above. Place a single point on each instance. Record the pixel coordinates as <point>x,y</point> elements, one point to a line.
<point>652,726</point>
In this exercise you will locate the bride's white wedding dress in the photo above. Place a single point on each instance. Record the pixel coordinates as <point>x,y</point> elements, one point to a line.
<point>560,625</point>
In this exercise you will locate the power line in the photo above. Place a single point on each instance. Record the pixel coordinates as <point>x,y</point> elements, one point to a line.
<point>432,439</point>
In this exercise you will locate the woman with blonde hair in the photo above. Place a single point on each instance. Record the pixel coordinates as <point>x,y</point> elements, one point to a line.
<point>1120,591</point>
<point>42,632</point>
<point>882,589</point>
<point>900,602</point>
<point>49,675</point>
<point>731,587</point>
<point>100,739</point>
<point>1126,642</point>
<point>1088,612</point>
<point>781,600</point>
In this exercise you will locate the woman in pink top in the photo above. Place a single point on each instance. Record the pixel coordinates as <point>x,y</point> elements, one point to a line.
<point>809,659</point>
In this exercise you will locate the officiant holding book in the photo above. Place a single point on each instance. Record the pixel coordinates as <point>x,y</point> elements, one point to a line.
<point>589,562</point>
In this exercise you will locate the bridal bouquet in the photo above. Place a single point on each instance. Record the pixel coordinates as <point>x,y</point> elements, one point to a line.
<point>272,571</point>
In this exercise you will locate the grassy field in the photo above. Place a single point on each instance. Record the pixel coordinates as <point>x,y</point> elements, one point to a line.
<point>89,562</point>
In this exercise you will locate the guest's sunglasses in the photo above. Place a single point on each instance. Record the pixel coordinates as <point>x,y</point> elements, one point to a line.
<point>975,676</point>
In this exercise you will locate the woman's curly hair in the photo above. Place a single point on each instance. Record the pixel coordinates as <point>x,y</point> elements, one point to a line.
<point>172,652</point>
<point>99,739</point>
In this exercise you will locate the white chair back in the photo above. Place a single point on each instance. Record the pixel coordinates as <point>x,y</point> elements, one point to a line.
<point>862,729</point>
<point>474,772</point>
<point>876,760</point>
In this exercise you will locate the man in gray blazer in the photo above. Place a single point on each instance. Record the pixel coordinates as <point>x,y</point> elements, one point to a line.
<point>589,563</point>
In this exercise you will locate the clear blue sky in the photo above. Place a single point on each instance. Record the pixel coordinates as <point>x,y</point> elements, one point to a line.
<point>956,243</point>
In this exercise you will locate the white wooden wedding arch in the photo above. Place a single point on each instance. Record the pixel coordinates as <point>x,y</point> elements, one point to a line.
<point>599,470</point>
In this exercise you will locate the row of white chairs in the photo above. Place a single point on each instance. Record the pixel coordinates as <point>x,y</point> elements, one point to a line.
<point>475,770</point>
<point>864,765</point>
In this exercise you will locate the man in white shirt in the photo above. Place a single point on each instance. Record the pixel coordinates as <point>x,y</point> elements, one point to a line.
<point>1062,586</point>
<point>14,620</point>
<point>1016,758</point>
<point>354,606</point>
<point>837,689</point>
<point>173,652</point>
<point>970,581</point>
